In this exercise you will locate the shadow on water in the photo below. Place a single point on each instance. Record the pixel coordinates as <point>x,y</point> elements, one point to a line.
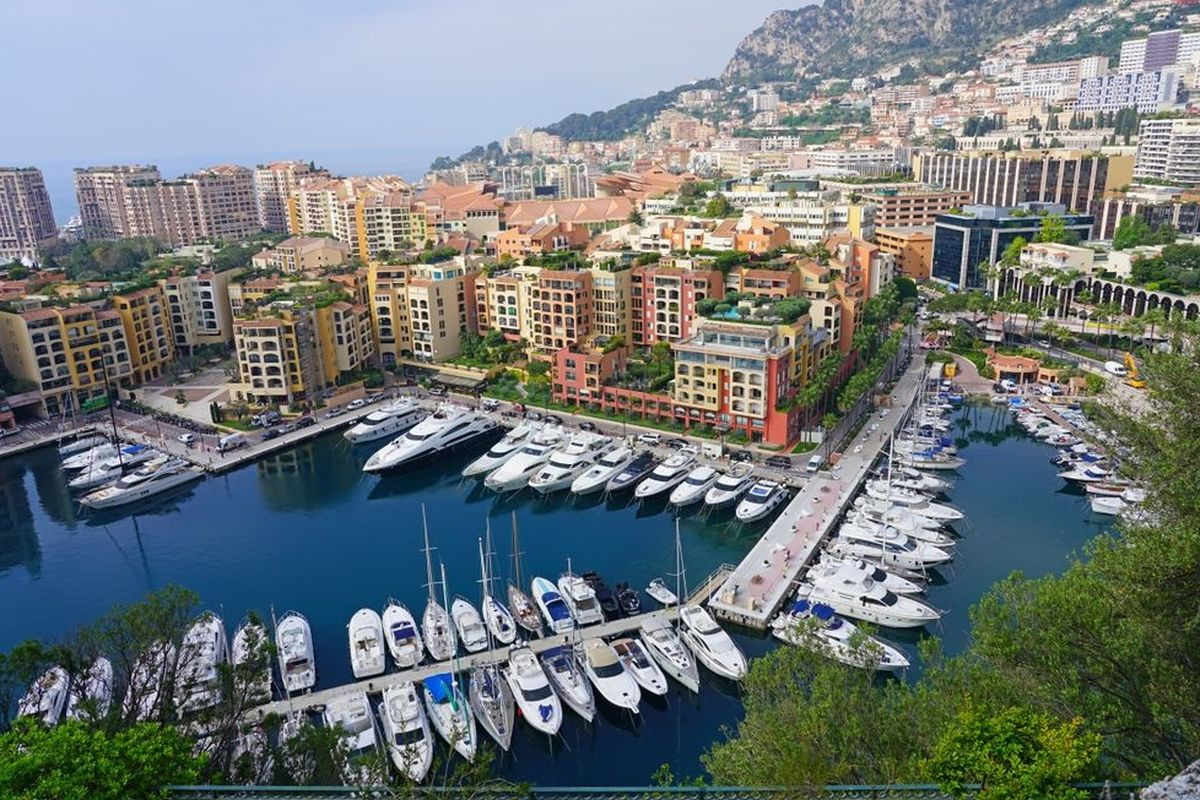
<point>18,537</point>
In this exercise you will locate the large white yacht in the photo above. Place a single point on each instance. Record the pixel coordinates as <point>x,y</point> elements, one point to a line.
<point>81,445</point>
<point>628,476</point>
<point>729,487</point>
<point>640,665</point>
<point>606,467</point>
<point>390,420</point>
<point>406,731</point>
<point>555,611</point>
<point>664,646</point>
<point>712,645</point>
<point>92,695</point>
<point>569,462</point>
<point>365,633</point>
<point>581,599</point>
<point>293,638</point>
<point>203,650</point>
<point>870,602</point>
<point>893,546</point>
<point>95,455</point>
<point>569,681</point>
<point>606,672</point>
<point>502,450</point>
<point>913,531</point>
<point>531,689</point>
<point>764,497</point>
<point>469,625</point>
<point>667,475</point>
<point>817,627</point>
<point>449,427</point>
<point>516,472</point>
<point>93,476</point>
<point>855,569</point>
<point>131,455</point>
<point>158,476</point>
<point>694,486</point>
<point>918,501</point>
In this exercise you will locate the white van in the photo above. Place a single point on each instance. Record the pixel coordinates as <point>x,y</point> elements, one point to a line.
<point>1115,368</point>
<point>815,462</point>
<point>649,438</point>
<point>231,441</point>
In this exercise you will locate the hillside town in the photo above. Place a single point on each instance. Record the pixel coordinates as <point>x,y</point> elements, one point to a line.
<point>600,274</point>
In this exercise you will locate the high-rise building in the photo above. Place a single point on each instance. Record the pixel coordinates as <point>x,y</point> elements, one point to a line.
<point>904,207</point>
<point>372,215</point>
<point>1149,92</point>
<point>420,310</point>
<point>1169,150</point>
<point>274,184</point>
<point>1158,50</point>
<point>198,307</point>
<point>1155,205</point>
<point>663,301</point>
<point>147,331</point>
<point>562,309</point>
<point>25,216</point>
<point>108,207</point>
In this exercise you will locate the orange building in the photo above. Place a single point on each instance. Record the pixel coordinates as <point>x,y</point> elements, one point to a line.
<point>562,309</point>
<point>912,248</point>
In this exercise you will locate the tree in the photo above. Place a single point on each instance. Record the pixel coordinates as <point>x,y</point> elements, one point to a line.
<point>718,206</point>
<point>537,368</point>
<point>906,288</point>
<point>1131,231</point>
<point>1011,256</point>
<point>635,217</point>
<point>1013,755</point>
<point>1054,231</point>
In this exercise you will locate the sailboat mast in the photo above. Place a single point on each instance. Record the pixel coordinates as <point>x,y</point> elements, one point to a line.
<point>516,552</point>
<point>428,562</point>
<point>680,570</point>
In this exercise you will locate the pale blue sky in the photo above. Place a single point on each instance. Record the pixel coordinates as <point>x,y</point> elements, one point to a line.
<point>161,80</point>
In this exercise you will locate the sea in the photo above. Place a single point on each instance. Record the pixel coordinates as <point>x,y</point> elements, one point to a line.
<point>306,529</point>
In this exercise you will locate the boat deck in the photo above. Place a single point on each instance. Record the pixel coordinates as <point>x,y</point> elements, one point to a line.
<point>756,588</point>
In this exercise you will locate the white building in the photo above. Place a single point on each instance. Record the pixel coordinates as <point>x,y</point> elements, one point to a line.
<point>1169,150</point>
<point>1148,92</point>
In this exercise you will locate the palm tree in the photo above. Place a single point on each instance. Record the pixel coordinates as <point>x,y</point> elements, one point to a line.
<point>1133,328</point>
<point>1154,318</point>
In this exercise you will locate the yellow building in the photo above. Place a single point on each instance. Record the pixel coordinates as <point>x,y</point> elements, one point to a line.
<point>147,330</point>
<point>421,310</point>
<point>612,303</point>
<point>344,338</point>
<point>370,214</point>
<point>503,302</point>
<point>275,357</point>
<point>303,254</point>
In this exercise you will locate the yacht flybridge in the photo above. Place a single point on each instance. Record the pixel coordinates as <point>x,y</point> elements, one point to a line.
<point>599,474</point>
<point>450,426</point>
<point>391,420</point>
<point>502,450</point>
<point>516,471</point>
<point>569,462</point>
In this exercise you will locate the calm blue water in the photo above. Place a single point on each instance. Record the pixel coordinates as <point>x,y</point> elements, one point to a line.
<point>307,530</point>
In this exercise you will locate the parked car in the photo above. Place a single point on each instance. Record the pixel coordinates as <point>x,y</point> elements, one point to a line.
<point>265,419</point>
<point>779,462</point>
<point>375,398</point>
<point>553,419</point>
<point>815,462</point>
<point>587,426</point>
<point>336,411</point>
<point>355,405</point>
<point>290,427</point>
<point>489,404</point>
<point>531,414</point>
<point>437,391</point>
<point>231,441</point>
<point>187,438</point>
<point>742,456</point>
<point>304,422</point>
<point>271,433</point>
<point>676,443</point>
<point>649,438</point>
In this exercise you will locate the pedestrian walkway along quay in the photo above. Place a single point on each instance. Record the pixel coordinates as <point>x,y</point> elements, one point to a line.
<point>753,592</point>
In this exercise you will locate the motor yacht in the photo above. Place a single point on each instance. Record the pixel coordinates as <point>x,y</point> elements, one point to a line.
<point>610,607</point>
<point>297,665</point>
<point>580,599</point>
<point>764,497</point>
<point>156,477</point>
<point>406,731</point>
<point>606,672</point>
<point>91,696</point>
<point>853,570</point>
<point>499,620</point>
<point>633,472</point>
<point>569,681</point>
<point>90,457</point>
<point>729,488</point>
<point>502,450</point>
<point>919,502</point>
<point>1108,488</point>
<point>402,636</point>
<point>46,699</point>
<point>351,714</point>
<point>888,546</point>
<point>569,462</point>
<point>660,640</point>
<point>659,591</point>
<point>515,473</point>
<point>450,714</point>
<point>538,703</point>
<point>298,762</point>
<point>694,486</point>
<point>202,652</point>
<point>710,644</point>
<point>143,691</point>
<point>93,476</point>
<point>900,517</point>
<point>1107,506</point>
<point>365,633</point>
<point>390,420</point>
<point>131,455</point>
<point>915,532</point>
<point>870,602</point>
<point>667,475</point>
<point>640,665</point>
<point>1085,474</point>
<point>448,427</point>
<point>918,480</point>
<point>628,600</point>
<point>929,459</point>
<point>249,654</point>
<point>468,624</point>
<point>606,467</point>
<point>492,703</point>
<point>81,445</point>
<point>554,609</point>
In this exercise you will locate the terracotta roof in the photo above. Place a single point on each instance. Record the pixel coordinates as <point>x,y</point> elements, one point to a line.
<point>580,212</point>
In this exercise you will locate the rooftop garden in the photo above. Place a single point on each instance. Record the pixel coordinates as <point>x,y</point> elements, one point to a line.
<point>745,307</point>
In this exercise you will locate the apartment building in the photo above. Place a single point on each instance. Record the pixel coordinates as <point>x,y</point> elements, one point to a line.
<point>274,184</point>
<point>911,248</point>
<point>373,215</point>
<point>72,354</point>
<point>26,219</point>
<point>1148,92</point>
<point>504,302</point>
<point>810,221</point>
<point>199,309</point>
<point>663,301</point>
<point>1169,150</point>
<point>245,293</point>
<point>303,254</point>
<point>276,358</point>
<point>612,303</point>
<point>1072,178</point>
<point>148,331</point>
<point>1155,205</point>
<point>904,207</point>
<point>773,283</point>
<point>561,310</point>
<point>545,236</point>
<point>1158,50</point>
<point>420,310</point>
<point>748,234</point>
<point>107,207</point>
<point>345,339</point>
<point>878,161</point>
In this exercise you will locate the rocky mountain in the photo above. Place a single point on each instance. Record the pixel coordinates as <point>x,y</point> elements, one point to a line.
<point>846,38</point>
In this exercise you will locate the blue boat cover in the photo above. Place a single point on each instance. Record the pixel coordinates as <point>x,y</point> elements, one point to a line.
<point>402,630</point>
<point>440,687</point>
<point>799,607</point>
<point>822,612</point>
<point>546,712</point>
<point>555,605</point>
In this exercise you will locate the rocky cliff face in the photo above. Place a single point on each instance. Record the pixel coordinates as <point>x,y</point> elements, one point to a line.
<point>846,38</point>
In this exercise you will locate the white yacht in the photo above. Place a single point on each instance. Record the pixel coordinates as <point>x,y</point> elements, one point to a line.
<point>729,487</point>
<point>469,625</point>
<point>1085,473</point>
<point>365,632</point>
<point>390,420</point>
<point>694,486</point>
<point>131,455</point>
<point>711,645</point>
<point>351,714</point>
<point>664,645</point>
<point>569,462</point>
<point>91,696</point>
<point>531,690</point>
<point>888,547</point>
<point>667,475</point>
<point>492,703</point>
<point>606,672</point>
<point>606,467</point>
<point>659,591</point>
<point>569,681</point>
<point>631,473</point>
<point>930,459</point>
<point>555,611</point>
<point>47,696</point>
<point>249,653</point>
<point>201,653</point>
<point>448,427</point>
<point>406,731</point>
<point>502,450</point>
<point>919,502</point>
<point>817,627</point>
<point>499,620</point>
<point>640,665</point>
<point>144,688</point>
<point>81,445</point>
<point>401,635</point>
<point>1107,506</point>
<point>580,599</point>
<point>936,538</point>
<point>919,481</point>
<point>154,478</point>
<point>764,497</point>
<point>515,473</point>
<point>90,457</point>
<point>297,666</point>
<point>898,517</point>
<point>450,714</point>
<point>95,475</point>
<point>870,602</point>
<point>855,569</point>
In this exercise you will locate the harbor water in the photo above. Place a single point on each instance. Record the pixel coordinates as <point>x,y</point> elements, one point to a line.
<point>307,530</point>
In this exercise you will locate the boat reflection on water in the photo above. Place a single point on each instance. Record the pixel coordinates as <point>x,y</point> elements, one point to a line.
<point>18,537</point>
<point>317,473</point>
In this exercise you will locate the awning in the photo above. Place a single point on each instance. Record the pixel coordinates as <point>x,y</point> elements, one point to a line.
<point>454,379</point>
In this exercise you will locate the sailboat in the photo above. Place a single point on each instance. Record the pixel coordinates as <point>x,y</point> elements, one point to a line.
<point>448,708</point>
<point>435,623</point>
<point>499,620</point>
<point>489,694</point>
<point>523,609</point>
<point>662,641</point>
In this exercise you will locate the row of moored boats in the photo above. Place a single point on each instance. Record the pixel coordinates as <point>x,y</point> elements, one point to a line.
<point>111,474</point>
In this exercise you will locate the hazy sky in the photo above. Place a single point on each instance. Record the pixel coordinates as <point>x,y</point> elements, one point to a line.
<point>152,79</point>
